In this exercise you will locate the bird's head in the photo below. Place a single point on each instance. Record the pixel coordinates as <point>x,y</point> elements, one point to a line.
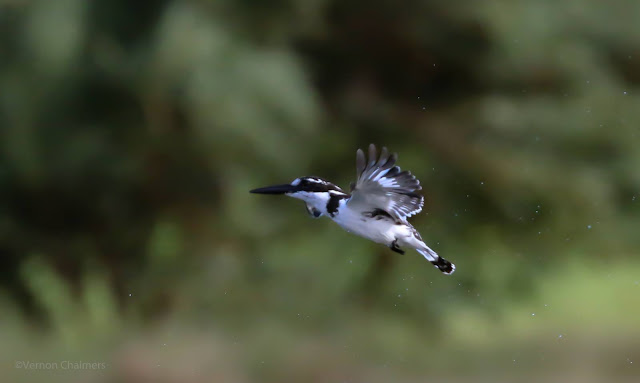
<point>314,191</point>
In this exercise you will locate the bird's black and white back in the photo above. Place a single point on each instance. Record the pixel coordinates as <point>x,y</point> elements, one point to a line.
<point>381,200</point>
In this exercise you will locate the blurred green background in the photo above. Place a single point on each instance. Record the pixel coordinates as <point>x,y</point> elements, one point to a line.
<point>131,132</point>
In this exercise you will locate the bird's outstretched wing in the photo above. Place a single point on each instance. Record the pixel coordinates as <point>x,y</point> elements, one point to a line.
<point>382,185</point>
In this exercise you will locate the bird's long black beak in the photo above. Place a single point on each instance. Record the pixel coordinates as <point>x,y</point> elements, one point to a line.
<point>276,189</point>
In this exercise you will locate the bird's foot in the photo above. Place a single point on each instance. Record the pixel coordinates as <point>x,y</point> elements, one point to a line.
<point>394,246</point>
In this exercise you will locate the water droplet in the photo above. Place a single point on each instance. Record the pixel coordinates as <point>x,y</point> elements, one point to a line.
<point>589,227</point>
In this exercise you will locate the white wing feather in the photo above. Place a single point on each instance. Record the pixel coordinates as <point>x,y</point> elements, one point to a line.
<point>382,185</point>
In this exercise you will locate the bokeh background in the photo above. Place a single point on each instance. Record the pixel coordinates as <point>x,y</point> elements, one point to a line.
<point>131,132</point>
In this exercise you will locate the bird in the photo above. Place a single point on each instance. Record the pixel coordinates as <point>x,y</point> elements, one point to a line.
<point>376,208</point>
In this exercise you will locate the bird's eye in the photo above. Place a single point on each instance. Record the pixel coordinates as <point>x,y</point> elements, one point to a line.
<point>315,213</point>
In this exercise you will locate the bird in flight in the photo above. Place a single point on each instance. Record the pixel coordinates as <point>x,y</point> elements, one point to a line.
<point>377,208</point>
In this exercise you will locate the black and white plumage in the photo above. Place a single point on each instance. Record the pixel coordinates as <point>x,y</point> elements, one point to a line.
<point>381,184</point>
<point>381,200</point>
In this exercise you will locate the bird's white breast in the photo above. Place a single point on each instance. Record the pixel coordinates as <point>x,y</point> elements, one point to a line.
<point>377,230</point>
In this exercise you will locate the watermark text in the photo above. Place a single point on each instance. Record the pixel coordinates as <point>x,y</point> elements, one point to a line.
<point>59,365</point>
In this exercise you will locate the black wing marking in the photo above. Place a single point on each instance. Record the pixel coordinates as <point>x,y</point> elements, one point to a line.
<point>383,185</point>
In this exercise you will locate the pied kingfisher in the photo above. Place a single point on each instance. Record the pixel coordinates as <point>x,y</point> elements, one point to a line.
<point>378,207</point>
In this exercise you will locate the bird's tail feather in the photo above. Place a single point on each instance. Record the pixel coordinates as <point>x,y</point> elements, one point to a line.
<point>440,263</point>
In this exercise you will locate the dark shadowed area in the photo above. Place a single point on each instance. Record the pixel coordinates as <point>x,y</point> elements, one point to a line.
<point>131,133</point>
